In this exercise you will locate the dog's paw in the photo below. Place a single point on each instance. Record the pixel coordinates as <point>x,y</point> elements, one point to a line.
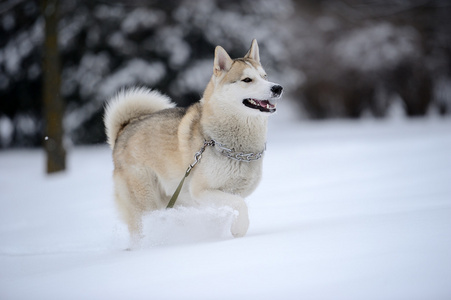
<point>240,225</point>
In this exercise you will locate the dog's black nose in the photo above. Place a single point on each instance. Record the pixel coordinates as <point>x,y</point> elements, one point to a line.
<point>276,90</point>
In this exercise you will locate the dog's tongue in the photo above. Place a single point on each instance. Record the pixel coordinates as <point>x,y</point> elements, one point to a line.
<point>264,103</point>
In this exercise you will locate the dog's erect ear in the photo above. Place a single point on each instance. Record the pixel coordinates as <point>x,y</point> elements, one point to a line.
<point>223,62</point>
<point>253,52</point>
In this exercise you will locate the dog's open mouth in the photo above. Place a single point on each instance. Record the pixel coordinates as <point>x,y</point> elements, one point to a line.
<point>262,105</point>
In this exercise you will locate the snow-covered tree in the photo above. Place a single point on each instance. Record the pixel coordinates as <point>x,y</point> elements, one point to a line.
<point>105,46</point>
<point>360,56</point>
<point>337,58</point>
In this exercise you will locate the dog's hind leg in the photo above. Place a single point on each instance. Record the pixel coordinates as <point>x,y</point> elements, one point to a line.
<point>137,191</point>
<point>128,210</point>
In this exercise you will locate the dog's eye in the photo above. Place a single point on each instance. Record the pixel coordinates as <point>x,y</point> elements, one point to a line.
<point>247,80</point>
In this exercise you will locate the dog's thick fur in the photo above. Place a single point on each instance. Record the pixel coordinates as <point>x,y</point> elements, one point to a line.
<point>154,142</point>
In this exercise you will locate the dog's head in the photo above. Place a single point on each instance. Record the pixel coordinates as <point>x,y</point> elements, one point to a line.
<point>242,84</point>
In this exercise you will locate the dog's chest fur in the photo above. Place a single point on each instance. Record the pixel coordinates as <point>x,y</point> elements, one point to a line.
<point>236,177</point>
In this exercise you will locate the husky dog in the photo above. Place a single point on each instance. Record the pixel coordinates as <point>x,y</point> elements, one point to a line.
<point>155,142</point>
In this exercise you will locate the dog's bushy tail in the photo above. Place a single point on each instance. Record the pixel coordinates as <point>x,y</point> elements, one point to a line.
<point>129,104</point>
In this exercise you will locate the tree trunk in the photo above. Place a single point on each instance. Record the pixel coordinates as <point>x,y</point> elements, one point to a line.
<point>53,103</point>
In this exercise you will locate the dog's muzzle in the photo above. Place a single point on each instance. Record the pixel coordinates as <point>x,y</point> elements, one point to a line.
<point>268,105</point>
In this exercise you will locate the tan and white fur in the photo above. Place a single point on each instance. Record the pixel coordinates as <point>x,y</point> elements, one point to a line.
<point>154,142</point>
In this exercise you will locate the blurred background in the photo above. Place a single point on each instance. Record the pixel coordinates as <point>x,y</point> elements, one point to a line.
<point>335,58</point>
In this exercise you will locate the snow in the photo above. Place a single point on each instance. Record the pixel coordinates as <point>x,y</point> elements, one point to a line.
<point>193,79</point>
<point>136,70</point>
<point>170,42</point>
<point>20,46</point>
<point>89,74</point>
<point>345,210</point>
<point>6,131</point>
<point>377,46</point>
<point>142,18</point>
<point>442,91</point>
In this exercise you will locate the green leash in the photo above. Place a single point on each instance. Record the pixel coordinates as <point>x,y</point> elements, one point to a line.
<point>177,191</point>
<point>197,158</point>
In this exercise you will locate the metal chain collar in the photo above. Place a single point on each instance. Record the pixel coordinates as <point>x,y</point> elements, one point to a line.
<point>240,156</point>
<point>230,153</point>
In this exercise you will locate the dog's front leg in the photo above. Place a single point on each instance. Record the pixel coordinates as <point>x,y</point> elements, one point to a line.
<point>219,198</point>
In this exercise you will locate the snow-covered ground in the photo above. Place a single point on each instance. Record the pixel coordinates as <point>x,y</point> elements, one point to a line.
<point>345,210</point>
